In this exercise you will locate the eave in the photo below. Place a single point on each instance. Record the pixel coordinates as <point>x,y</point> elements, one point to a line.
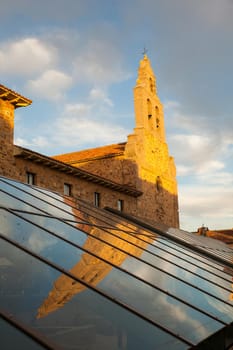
<point>51,163</point>
<point>13,97</point>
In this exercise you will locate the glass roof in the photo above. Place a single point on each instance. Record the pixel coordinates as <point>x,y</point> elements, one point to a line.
<point>76,276</point>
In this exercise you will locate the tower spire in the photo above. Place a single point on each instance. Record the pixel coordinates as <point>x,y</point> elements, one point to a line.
<point>148,108</point>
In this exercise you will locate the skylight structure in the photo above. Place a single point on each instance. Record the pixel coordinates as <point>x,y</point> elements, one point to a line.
<point>74,276</point>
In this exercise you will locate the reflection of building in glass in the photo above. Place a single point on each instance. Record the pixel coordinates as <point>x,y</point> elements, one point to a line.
<point>151,287</point>
<point>92,269</point>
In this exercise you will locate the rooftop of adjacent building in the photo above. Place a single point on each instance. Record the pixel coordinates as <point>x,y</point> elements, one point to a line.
<point>92,153</point>
<point>68,168</point>
<point>224,235</point>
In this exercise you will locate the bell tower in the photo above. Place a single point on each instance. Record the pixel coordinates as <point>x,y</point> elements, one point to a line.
<point>148,108</point>
<point>147,149</point>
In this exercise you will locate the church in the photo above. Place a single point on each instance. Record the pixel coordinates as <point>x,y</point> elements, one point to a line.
<point>137,177</point>
<point>74,275</point>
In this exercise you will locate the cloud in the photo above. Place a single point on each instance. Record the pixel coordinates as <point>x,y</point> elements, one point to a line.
<point>77,126</point>
<point>86,124</point>
<point>36,244</point>
<point>202,149</point>
<point>83,131</point>
<point>199,146</point>
<point>97,94</point>
<point>47,10</point>
<point>36,142</point>
<point>25,56</point>
<point>100,63</point>
<point>196,154</point>
<point>206,204</point>
<point>51,85</point>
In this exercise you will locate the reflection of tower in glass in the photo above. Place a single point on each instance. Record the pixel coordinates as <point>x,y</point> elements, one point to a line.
<point>231,294</point>
<point>230,272</point>
<point>90,269</point>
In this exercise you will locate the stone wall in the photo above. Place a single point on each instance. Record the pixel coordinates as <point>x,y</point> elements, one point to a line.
<point>54,180</point>
<point>6,137</point>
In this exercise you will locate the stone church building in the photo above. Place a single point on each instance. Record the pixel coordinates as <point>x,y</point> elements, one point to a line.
<point>137,177</point>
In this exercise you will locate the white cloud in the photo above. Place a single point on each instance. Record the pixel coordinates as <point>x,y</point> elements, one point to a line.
<point>205,204</point>
<point>79,125</point>
<point>37,244</point>
<point>51,85</point>
<point>196,154</point>
<point>35,142</point>
<point>97,94</point>
<point>25,56</point>
<point>100,63</point>
<point>76,131</point>
<point>222,178</point>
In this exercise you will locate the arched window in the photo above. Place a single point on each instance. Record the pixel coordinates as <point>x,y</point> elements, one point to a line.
<point>151,85</point>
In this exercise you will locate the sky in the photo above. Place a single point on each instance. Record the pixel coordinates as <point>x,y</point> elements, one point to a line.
<point>78,59</point>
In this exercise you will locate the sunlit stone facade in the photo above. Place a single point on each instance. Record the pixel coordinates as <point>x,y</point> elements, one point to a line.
<point>139,173</point>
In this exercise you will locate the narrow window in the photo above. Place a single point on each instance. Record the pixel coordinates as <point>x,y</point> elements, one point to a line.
<point>30,178</point>
<point>158,184</point>
<point>120,205</point>
<point>157,116</point>
<point>97,199</point>
<point>67,189</point>
<point>149,108</point>
<point>151,85</point>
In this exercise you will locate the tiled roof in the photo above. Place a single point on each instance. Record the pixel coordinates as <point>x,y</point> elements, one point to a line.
<point>13,97</point>
<point>223,235</point>
<point>92,154</point>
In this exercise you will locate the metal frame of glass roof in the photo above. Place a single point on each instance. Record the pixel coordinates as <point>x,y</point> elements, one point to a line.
<point>173,287</point>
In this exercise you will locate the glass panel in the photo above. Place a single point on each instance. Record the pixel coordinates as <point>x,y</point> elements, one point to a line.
<point>161,262</point>
<point>12,338</point>
<point>82,319</point>
<point>195,255</point>
<point>105,219</point>
<point>153,303</point>
<point>193,260</point>
<point>8,201</point>
<point>32,204</point>
<point>214,247</point>
<point>100,248</point>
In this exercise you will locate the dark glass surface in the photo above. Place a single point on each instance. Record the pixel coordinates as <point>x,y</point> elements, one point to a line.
<point>205,243</point>
<point>82,320</point>
<point>210,263</point>
<point>221,290</point>
<point>135,253</point>
<point>12,338</point>
<point>62,209</point>
<point>151,248</point>
<point>147,300</point>
<point>34,204</point>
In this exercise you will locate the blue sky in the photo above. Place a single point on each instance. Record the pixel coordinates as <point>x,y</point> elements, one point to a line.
<point>77,60</point>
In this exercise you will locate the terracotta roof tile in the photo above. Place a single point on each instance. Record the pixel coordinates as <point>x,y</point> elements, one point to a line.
<point>74,171</point>
<point>223,235</point>
<point>92,154</point>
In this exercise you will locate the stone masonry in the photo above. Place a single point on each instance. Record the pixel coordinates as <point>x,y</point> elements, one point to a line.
<point>139,172</point>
